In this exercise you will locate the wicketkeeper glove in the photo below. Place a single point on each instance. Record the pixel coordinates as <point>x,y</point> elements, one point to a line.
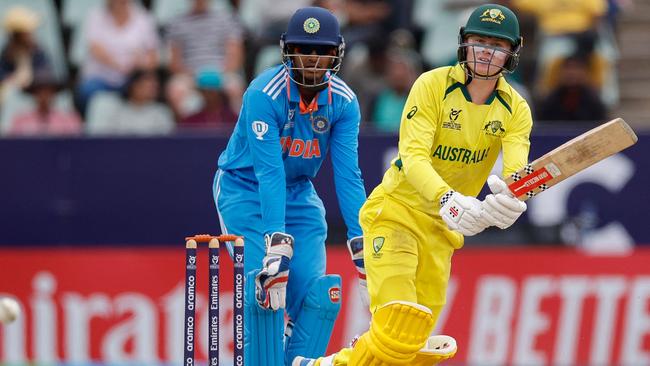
<point>355,246</point>
<point>271,281</point>
<point>501,208</point>
<point>462,213</point>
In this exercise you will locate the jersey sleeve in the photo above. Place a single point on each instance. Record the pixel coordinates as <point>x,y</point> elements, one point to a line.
<point>350,190</point>
<point>263,136</point>
<point>416,136</point>
<point>516,142</point>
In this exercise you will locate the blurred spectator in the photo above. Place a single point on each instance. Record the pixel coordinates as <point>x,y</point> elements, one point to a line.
<point>574,98</point>
<point>561,17</point>
<point>216,112</point>
<point>366,75</point>
<point>597,66</point>
<point>121,37</point>
<point>366,19</point>
<point>402,69</point>
<point>138,113</point>
<point>265,21</point>
<point>366,72</point>
<point>562,25</point>
<point>21,56</point>
<point>204,38</point>
<point>45,118</point>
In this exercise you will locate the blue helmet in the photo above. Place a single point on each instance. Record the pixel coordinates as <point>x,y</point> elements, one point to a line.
<point>313,26</point>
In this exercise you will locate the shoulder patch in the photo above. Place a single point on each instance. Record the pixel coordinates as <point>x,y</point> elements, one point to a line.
<point>260,128</point>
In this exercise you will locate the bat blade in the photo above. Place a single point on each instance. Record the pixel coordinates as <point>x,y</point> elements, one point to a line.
<point>570,158</point>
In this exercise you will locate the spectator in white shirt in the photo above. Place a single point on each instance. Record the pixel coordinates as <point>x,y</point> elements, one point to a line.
<point>121,37</point>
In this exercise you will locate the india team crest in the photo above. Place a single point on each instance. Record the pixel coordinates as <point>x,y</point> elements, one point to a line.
<point>311,25</point>
<point>320,124</point>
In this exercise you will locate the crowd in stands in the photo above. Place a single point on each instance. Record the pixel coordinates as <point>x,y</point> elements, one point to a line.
<point>120,67</point>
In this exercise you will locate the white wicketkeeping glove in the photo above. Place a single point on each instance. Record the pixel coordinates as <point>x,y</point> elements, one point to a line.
<point>501,208</point>
<point>355,246</point>
<point>271,281</point>
<point>462,213</point>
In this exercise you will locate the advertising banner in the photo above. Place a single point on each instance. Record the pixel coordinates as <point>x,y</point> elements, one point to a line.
<point>505,306</point>
<point>155,190</point>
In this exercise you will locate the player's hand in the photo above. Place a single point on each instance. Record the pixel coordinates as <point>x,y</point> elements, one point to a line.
<point>271,281</point>
<point>355,246</point>
<point>501,208</point>
<point>462,213</point>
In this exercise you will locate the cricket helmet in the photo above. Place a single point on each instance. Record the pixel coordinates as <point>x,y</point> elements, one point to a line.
<point>492,20</point>
<point>312,28</point>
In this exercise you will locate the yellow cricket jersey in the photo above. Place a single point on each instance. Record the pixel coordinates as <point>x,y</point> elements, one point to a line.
<point>447,142</point>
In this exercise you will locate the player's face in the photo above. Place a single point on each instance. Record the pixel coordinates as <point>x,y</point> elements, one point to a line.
<point>312,61</point>
<point>486,55</point>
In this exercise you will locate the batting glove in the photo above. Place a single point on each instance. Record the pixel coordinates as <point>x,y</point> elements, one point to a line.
<point>462,213</point>
<point>355,246</point>
<point>501,208</point>
<point>271,281</point>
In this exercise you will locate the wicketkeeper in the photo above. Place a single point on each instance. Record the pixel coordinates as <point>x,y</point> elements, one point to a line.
<point>292,115</point>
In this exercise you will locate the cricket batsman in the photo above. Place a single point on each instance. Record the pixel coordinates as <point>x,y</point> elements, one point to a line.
<point>456,121</point>
<point>292,115</point>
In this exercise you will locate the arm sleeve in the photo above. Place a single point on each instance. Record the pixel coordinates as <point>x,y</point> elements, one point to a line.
<point>516,142</point>
<point>416,136</point>
<point>266,154</point>
<point>350,190</point>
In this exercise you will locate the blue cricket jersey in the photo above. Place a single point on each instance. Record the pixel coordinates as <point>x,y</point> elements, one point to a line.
<point>279,141</point>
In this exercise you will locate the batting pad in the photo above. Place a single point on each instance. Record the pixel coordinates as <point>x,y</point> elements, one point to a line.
<point>397,331</point>
<point>263,330</point>
<point>313,327</point>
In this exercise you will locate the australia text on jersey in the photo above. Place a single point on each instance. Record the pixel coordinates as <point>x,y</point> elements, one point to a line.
<point>461,154</point>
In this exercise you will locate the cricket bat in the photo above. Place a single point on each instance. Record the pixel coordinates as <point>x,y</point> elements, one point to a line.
<point>570,158</point>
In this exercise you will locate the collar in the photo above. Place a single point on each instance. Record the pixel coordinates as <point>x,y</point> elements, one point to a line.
<point>458,74</point>
<point>323,97</point>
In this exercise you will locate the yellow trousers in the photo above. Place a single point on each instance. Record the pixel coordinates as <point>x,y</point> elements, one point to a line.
<point>407,256</point>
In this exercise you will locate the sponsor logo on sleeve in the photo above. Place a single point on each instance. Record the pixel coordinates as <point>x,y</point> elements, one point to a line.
<point>260,129</point>
<point>412,112</point>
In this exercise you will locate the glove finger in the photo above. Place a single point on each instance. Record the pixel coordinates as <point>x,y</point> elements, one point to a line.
<point>498,219</point>
<point>496,207</point>
<point>272,301</point>
<point>262,299</point>
<point>496,184</point>
<point>495,216</point>
<point>282,300</point>
<point>511,203</point>
<point>468,227</point>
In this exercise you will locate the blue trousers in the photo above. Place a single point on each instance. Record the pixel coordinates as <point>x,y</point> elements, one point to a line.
<point>238,204</point>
